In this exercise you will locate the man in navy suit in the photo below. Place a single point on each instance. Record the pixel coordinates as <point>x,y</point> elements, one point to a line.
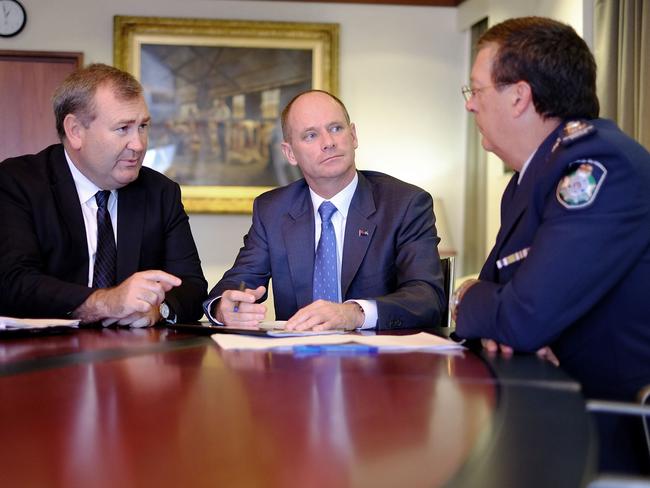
<point>49,236</point>
<point>570,268</point>
<point>387,271</point>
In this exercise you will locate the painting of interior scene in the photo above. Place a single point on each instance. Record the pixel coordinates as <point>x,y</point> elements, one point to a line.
<point>216,112</point>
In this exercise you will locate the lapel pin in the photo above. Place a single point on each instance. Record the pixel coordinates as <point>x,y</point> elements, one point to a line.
<point>363,233</point>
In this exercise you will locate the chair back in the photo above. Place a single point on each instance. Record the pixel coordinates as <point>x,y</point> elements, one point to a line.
<point>448,266</point>
<point>644,397</point>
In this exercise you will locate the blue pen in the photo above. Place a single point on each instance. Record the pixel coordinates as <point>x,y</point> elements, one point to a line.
<point>310,350</point>
<point>242,287</point>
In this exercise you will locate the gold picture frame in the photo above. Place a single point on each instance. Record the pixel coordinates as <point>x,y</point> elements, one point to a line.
<point>203,78</point>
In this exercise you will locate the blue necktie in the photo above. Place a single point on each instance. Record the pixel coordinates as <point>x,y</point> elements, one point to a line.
<point>106,255</point>
<point>326,283</point>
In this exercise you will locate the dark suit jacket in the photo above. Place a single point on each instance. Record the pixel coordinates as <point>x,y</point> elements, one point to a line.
<point>43,248</point>
<point>390,252</point>
<point>583,289</point>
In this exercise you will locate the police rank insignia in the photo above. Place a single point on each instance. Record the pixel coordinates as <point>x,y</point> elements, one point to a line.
<point>580,184</point>
<point>573,131</point>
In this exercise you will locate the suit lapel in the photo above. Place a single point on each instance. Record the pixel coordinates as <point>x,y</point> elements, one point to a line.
<point>513,205</point>
<point>67,201</point>
<point>517,197</point>
<point>359,232</point>
<point>130,224</point>
<point>298,234</point>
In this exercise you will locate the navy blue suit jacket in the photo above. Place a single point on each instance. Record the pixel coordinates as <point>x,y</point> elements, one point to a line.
<point>43,247</point>
<point>583,289</point>
<point>390,251</point>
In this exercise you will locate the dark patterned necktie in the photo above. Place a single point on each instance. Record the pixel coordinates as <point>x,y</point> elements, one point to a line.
<point>106,255</point>
<point>326,283</point>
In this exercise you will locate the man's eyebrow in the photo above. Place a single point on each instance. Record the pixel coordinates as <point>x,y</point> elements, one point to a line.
<point>131,121</point>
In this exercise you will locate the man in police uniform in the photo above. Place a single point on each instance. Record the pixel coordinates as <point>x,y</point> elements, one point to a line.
<point>570,269</point>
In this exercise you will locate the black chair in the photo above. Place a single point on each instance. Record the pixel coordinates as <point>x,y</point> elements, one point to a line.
<point>449,275</point>
<point>641,409</point>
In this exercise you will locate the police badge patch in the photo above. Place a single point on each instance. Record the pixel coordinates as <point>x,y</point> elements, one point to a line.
<point>580,184</point>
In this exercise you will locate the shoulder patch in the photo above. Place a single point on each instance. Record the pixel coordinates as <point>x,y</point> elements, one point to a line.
<point>580,184</point>
<point>573,131</point>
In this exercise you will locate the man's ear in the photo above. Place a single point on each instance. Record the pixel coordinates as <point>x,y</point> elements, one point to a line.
<point>288,153</point>
<point>353,130</point>
<point>74,131</point>
<point>522,98</point>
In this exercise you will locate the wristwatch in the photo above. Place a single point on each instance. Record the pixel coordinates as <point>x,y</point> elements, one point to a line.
<point>167,313</point>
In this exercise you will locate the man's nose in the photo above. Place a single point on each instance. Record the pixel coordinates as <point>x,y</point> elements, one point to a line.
<point>328,142</point>
<point>469,105</point>
<point>137,142</point>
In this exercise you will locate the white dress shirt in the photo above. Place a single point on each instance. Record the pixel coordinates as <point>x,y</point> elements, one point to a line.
<point>342,202</point>
<point>86,190</point>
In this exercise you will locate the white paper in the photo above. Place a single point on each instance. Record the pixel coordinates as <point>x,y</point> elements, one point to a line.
<point>9,323</point>
<point>421,341</point>
<point>273,324</point>
<point>277,328</point>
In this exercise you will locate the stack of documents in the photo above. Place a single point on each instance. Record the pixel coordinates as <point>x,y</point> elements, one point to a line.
<point>11,323</point>
<point>421,341</point>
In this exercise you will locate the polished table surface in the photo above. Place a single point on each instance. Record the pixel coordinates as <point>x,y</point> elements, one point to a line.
<point>157,407</point>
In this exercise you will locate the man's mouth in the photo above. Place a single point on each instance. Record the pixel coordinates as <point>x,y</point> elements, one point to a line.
<point>129,161</point>
<point>327,160</point>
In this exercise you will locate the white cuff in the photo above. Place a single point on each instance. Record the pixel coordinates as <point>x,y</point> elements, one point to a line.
<point>209,309</point>
<point>370,311</point>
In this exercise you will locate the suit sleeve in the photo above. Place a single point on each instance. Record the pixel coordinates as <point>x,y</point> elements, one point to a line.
<point>252,265</point>
<point>182,260</point>
<point>576,257</point>
<point>419,296</point>
<point>27,288</point>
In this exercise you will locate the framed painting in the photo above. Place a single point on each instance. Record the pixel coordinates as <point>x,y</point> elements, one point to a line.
<point>215,90</point>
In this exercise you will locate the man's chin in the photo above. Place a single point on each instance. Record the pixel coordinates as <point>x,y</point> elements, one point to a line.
<point>127,176</point>
<point>486,144</point>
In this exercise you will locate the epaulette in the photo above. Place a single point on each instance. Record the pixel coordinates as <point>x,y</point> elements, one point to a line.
<point>573,131</point>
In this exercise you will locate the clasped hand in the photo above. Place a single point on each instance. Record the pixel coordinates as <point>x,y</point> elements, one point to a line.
<point>134,302</point>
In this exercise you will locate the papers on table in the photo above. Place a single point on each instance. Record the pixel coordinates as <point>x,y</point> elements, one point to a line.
<point>277,328</point>
<point>11,323</point>
<point>420,342</point>
<point>273,324</point>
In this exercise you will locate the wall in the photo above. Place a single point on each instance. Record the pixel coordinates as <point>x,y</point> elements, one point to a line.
<point>401,69</point>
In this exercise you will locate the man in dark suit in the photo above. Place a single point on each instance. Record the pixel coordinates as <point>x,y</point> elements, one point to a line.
<point>570,268</point>
<point>383,260</point>
<point>87,232</point>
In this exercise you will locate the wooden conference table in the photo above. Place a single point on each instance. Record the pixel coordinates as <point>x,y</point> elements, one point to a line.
<point>161,408</point>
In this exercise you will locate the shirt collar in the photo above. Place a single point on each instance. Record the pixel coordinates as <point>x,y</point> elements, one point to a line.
<point>525,167</point>
<point>86,189</point>
<point>341,200</point>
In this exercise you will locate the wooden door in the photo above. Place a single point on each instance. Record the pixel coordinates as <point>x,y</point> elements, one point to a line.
<point>27,81</point>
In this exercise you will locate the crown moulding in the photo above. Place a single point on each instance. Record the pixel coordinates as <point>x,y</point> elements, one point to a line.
<point>428,3</point>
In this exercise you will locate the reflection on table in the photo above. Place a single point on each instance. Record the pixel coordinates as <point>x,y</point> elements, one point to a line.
<point>153,407</point>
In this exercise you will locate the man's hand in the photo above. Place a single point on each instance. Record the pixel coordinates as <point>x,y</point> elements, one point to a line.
<point>457,297</point>
<point>133,302</point>
<point>137,319</point>
<point>324,315</point>
<point>238,309</point>
<point>492,347</point>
